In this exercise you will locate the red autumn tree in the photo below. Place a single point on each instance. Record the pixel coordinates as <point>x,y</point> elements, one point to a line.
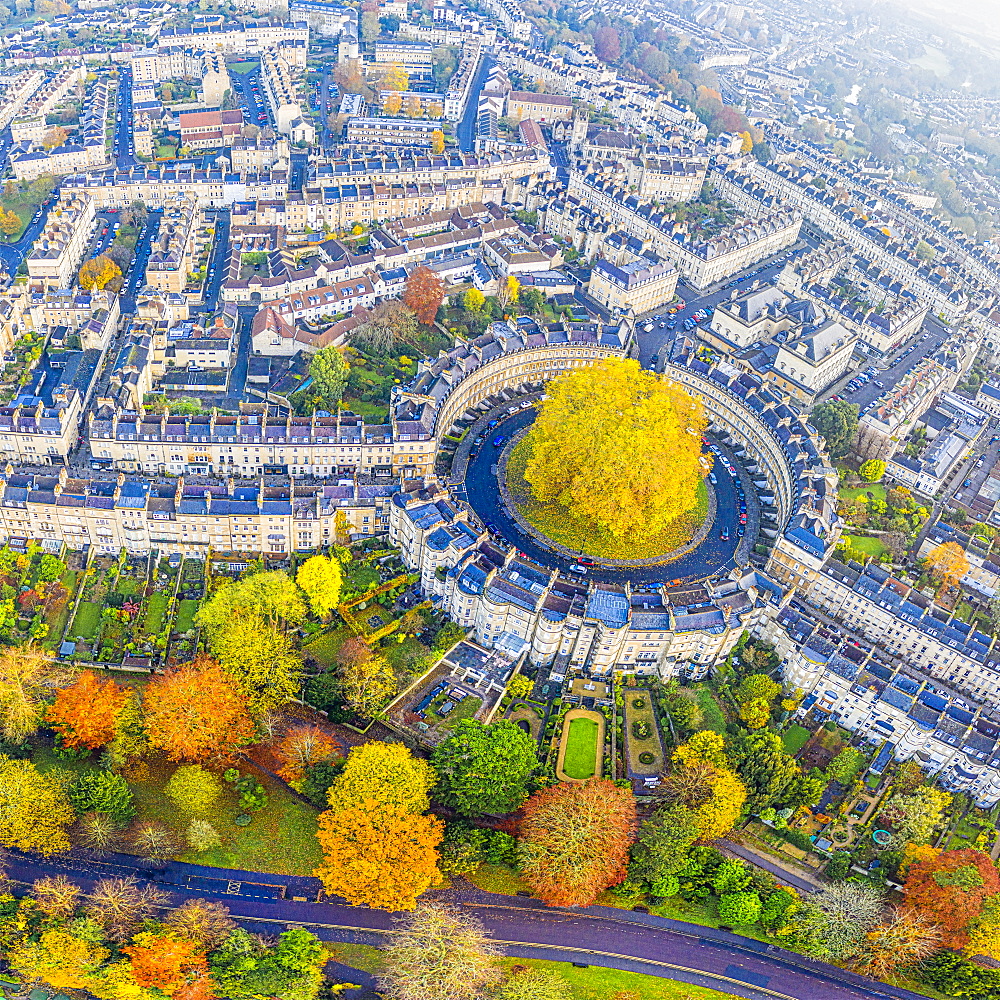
<point>165,963</point>
<point>607,44</point>
<point>424,294</point>
<point>950,890</point>
<point>84,714</point>
<point>574,840</point>
<point>197,712</point>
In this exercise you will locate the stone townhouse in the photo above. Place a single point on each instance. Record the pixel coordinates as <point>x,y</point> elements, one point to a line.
<point>111,514</point>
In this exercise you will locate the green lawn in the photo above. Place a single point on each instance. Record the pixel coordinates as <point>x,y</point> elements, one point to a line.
<point>280,839</point>
<point>324,648</point>
<point>712,716</point>
<point>794,738</point>
<point>877,491</point>
<point>581,749</point>
<point>186,611</point>
<point>465,709</point>
<point>870,546</point>
<point>594,983</point>
<point>87,621</point>
<point>156,607</point>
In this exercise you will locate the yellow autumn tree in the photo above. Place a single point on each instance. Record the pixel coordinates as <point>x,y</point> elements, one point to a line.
<point>59,959</point>
<point>386,773</point>
<point>437,141</point>
<point>701,779</point>
<point>984,933</point>
<point>96,273</point>
<point>379,855</point>
<point>393,103</point>
<point>747,142</point>
<point>396,78</point>
<point>34,809</point>
<point>948,563</point>
<point>617,450</point>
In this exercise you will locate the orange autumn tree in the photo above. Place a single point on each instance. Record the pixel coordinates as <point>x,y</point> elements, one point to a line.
<point>165,963</point>
<point>951,890</point>
<point>574,840</point>
<point>302,747</point>
<point>379,855</point>
<point>85,713</point>
<point>197,712</point>
<point>424,294</point>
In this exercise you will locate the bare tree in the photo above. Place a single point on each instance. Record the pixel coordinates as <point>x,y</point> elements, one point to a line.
<point>154,841</point>
<point>440,952</point>
<point>57,897</point>
<point>97,832</point>
<point>203,921</point>
<point>120,905</point>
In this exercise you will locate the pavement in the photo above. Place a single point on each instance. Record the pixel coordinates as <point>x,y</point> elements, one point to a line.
<point>465,132</point>
<point>600,936</point>
<point>768,864</point>
<point>120,143</point>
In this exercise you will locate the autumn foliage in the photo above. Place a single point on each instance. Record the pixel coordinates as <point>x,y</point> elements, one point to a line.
<point>302,747</point>
<point>165,963</point>
<point>424,294</point>
<point>575,840</point>
<point>951,890</point>
<point>379,855</point>
<point>197,712</point>
<point>85,713</point>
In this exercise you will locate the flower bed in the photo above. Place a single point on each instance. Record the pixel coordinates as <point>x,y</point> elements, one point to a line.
<point>644,748</point>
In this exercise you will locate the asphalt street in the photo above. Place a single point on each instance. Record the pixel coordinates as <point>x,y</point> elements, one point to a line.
<point>713,555</point>
<point>121,145</point>
<point>250,94</point>
<point>597,936</point>
<point>466,130</point>
<point>11,254</point>
<point>659,340</point>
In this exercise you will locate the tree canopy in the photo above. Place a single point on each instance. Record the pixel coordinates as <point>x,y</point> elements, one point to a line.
<point>484,769</point>
<point>837,422</point>
<point>617,447</point>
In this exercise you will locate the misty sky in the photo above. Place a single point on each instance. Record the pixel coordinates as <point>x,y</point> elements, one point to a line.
<point>965,15</point>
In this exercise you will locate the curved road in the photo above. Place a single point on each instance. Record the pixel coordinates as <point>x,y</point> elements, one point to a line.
<point>711,557</point>
<point>595,935</point>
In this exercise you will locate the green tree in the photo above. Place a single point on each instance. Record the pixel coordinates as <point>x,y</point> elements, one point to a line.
<point>484,769</point>
<point>764,767</point>
<point>872,470</point>
<point>616,448</point>
<point>739,908</point>
<point>845,766</point>
<point>274,597</point>
<point>663,842</point>
<point>329,373</point>
<point>193,789</point>
<point>321,580</point>
<point>102,792</point>
<point>244,967</point>
<point>837,422</point>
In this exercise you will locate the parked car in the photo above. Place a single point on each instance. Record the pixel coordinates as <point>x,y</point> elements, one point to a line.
<point>724,534</point>
<point>499,440</point>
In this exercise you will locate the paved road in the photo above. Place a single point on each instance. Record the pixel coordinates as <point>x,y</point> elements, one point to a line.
<point>659,340</point>
<point>124,156</point>
<point>597,936</point>
<point>466,130</point>
<point>137,271</point>
<point>217,260</point>
<point>711,557</point>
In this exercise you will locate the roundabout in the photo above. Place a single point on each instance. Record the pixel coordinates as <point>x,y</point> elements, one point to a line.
<point>710,553</point>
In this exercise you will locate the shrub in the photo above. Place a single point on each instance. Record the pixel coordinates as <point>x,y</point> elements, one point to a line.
<point>193,789</point>
<point>646,757</point>
<point>102,792</point>
<point>202,836</point>
<point>638,702</point>
<point>641,730</point>
<point>736,908</point>
<point>244,819</point>
<point>799,839</point>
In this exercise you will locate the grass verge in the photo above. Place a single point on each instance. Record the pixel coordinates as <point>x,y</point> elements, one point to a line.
<point>593,983</point>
